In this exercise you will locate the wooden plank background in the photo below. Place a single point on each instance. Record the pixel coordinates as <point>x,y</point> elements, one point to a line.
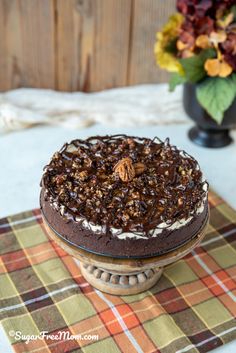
<point>86,45</point>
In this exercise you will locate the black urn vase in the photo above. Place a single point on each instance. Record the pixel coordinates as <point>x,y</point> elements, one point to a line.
<point>206,131</point>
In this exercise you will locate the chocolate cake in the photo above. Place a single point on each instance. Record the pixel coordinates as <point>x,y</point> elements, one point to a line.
<point>124,196</point>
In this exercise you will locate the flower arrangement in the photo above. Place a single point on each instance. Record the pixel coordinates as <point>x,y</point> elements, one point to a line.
<point>198,45</point>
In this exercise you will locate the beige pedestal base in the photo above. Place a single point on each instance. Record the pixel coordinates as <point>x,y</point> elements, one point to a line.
<point>124,283</point>
<point>124,276</point>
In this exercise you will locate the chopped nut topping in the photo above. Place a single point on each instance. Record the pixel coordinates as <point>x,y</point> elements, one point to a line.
<point>139,168</point>
<point>151,182</point>
<point>83,175</point>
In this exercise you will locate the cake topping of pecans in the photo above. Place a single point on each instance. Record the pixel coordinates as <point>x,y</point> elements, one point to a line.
<point>124,182</point>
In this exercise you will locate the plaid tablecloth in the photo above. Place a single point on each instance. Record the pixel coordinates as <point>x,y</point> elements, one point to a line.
<point>191,309</point>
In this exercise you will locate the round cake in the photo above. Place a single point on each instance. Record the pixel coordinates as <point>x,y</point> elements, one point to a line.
<point>124,196</point>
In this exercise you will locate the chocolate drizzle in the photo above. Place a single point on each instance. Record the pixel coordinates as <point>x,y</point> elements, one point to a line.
<point>81,184</point>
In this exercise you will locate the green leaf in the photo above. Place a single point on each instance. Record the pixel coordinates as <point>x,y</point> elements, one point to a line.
<point>175,80</point>
<point>233,10</point>
<point>233,78</point>
<point>216,94</point>
<point>194,66</point>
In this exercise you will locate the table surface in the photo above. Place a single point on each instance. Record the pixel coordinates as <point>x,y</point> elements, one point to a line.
<point>24,154</point>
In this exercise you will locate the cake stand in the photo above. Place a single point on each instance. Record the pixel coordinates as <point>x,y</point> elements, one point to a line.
<point>124,276</point>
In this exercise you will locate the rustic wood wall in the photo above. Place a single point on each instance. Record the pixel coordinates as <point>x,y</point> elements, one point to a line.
<point>84,45</point>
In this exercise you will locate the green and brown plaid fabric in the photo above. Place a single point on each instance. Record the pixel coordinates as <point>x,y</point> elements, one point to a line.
<point>191,309</point>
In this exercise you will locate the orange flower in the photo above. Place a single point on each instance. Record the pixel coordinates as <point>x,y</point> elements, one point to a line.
<point>218,37</point>
<point>181,45</point>
<point>187,53</point>
<point>203,41</point>
<point>217,67</point>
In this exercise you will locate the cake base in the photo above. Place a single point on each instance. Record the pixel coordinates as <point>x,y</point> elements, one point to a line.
<point>124,276</point>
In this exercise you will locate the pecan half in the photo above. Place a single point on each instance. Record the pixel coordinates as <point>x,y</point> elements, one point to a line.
<point>125,169</point>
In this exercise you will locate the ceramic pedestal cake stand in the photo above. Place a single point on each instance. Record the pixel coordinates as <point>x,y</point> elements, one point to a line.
<point>124,276</point>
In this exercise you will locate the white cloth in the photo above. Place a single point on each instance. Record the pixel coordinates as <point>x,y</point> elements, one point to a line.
<point>129,106</point>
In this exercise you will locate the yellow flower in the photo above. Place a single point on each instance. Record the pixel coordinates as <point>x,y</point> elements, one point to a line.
<point>164,58</point>
<point>224,22</point>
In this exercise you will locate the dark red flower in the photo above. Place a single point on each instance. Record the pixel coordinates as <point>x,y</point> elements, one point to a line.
<point>200,17</point>
<point>202,7</point>
<point>194,7</point>
<point>229,50</point>
<point>187,37</point>
<point>229,46</point>
<point>231,60</point>
<point>204,25</point>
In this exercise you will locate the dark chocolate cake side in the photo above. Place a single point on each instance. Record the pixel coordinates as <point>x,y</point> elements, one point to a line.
<point>124,196</point>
